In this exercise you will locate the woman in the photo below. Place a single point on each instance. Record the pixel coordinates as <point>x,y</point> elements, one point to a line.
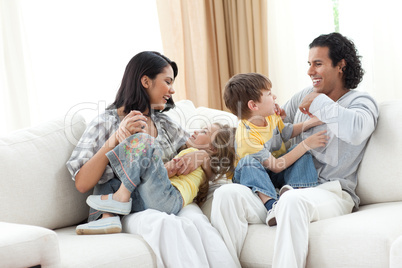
<point>145,93</point>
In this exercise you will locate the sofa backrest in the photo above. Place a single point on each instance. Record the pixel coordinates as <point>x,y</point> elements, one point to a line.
<point>36,187</point>
<point>192,118</point>
<point>380,173</point>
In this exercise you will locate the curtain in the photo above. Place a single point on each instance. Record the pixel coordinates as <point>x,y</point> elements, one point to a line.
<point>14,71</point>
<point>211,41</point>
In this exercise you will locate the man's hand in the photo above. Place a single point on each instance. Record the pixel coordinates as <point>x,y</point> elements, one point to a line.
<point>304,107</point>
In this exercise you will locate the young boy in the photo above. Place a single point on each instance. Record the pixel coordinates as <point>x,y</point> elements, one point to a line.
<point>262,161</point>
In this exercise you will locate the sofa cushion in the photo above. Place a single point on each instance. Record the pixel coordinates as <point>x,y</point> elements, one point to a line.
<point>27,246</point>
<point>185,114</point>
<point>112,250</point>
<point>209,115</point>
<point>36,186</point>
<point>379,178</point>
<point>191,118</point>
<point>360,239</point>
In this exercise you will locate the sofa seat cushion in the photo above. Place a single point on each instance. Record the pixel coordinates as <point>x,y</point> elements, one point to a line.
<point>27,245</point>
<point>360,239</point>
<point>110,250</point>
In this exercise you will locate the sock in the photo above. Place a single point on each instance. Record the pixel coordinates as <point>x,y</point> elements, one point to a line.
<point>269,203</point>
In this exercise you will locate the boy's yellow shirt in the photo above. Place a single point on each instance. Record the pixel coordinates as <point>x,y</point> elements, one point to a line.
<point>261,142</point>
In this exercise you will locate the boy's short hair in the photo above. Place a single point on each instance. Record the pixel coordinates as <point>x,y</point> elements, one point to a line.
<point>242,88</point>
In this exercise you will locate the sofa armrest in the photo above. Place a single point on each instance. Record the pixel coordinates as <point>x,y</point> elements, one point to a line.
<point>27,245</point>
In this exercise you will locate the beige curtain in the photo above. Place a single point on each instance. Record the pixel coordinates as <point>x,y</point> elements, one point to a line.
<point>211,40</point>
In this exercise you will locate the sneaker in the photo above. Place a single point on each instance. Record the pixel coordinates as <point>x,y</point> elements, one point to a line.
<point>271,220</point>
<point>109,205</point>
<point>284,189</point>
<point>110,225</point>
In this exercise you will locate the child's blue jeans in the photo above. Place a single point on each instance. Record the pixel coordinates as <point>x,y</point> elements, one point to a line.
<point>251,173</point>
<point>138,165</point>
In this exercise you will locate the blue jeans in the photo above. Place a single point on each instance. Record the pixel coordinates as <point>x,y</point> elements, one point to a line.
<point>251,173</point>
<point>138,165</point>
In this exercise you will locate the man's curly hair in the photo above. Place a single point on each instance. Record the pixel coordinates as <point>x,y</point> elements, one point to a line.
<point>340,48</point>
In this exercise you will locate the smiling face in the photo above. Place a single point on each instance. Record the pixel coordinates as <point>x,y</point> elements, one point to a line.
<point>266,105</point>
<point>327,79</point>
<point>160,89</point>
<point>202,139</point>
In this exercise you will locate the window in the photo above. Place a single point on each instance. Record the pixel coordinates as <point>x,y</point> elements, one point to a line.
<point>373,27</point>
<point>76,51</point>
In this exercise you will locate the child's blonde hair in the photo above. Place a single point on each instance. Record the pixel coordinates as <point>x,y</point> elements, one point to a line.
<point>222,158</point>
<point>224,154</point>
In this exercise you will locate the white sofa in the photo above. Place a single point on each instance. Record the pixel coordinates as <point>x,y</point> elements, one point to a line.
<point>40,207</point>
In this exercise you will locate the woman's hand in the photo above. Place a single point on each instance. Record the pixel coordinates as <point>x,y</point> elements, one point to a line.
<point>171,167</point>
<point>190,162</point>
<point>133,122</point>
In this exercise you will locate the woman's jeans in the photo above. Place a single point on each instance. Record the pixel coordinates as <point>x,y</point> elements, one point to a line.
<point>251,173</point>
<point>138,165</point>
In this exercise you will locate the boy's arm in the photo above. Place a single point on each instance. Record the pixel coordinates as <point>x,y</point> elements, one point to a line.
<point>304,126</point>
<point>279,164</point>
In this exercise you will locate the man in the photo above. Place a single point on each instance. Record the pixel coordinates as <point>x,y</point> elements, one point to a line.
<point>349,117</point>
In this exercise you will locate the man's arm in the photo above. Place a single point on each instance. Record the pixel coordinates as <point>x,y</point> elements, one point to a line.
<point>279,164</point>
<point>292,106</point>
<point>353,124</point>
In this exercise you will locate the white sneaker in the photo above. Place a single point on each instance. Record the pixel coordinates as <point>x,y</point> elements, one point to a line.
<point>271,220</point>
<point>109,205</point>
<point>284,189</point>
<point>109,225</point>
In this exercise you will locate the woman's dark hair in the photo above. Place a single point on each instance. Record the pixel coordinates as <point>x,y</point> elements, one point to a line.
<point>340,48</point>
<point>131,94</point>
